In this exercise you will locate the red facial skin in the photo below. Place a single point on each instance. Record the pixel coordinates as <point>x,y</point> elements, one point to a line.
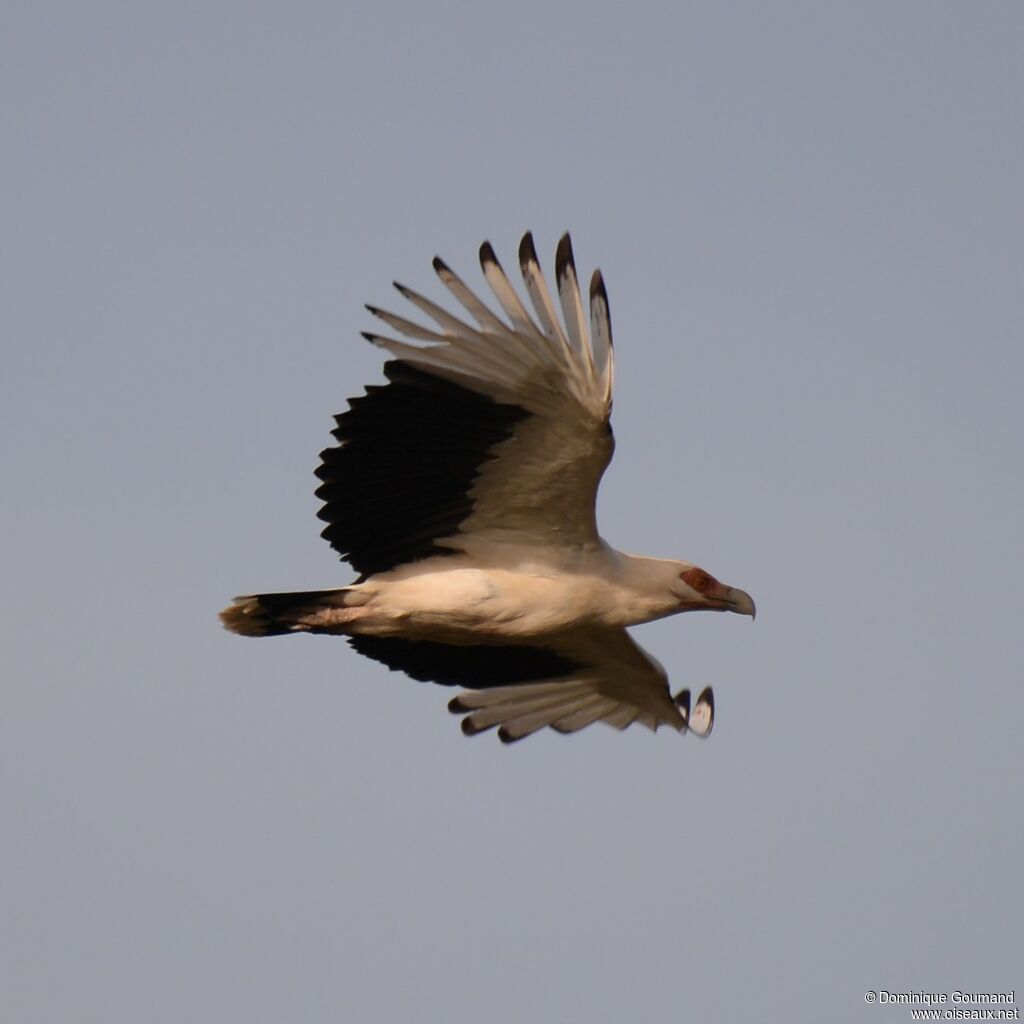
<point>715,593</point>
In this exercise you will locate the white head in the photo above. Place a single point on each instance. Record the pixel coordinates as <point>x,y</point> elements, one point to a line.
<point>666,587</point>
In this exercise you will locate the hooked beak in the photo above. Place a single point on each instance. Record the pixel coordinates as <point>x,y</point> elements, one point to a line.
<point>739,601</point>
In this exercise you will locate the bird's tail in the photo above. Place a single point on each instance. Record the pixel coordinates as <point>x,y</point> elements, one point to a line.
<point>309,611</point>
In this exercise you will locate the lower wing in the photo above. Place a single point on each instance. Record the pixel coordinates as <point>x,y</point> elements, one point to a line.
<point>567,683</point>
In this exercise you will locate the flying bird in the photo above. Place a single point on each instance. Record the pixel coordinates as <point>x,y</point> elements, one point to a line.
<point>463,494</point>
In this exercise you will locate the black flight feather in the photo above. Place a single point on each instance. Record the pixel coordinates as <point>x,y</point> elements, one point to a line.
<point>408,454</point>
<point>474,666</point>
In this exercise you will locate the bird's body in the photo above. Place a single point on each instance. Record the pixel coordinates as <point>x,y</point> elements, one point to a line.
<point>463,492</point>
<point>512,599</point>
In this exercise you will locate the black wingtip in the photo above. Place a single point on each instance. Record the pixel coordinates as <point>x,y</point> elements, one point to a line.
<point>599,297</point>
<point>563,257</point>
<point>469,728</point>
<point>527,251</point>
<point>371,338</point>
<point>487,255</point>
<point>439,265</point>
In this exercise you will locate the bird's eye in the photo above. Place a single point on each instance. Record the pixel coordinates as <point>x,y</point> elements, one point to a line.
<point>698,579</point>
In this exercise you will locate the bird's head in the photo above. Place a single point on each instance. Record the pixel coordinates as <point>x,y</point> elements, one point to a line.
<point>696,589</point>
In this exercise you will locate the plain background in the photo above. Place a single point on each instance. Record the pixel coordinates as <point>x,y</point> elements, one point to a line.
<point>809,217</point>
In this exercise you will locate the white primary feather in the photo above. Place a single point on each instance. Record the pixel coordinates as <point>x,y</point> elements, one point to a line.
<point>621,683</point>
<point>505,362</point>
<point>540,486</point>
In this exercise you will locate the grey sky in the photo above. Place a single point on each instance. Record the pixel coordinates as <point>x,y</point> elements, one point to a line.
<point>809,218</point>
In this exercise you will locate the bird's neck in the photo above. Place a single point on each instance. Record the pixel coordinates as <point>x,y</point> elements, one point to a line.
<point>643,587</point>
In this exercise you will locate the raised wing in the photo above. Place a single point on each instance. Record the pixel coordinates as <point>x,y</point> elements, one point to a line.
<point>570,682</point>
<point>494,433</point>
